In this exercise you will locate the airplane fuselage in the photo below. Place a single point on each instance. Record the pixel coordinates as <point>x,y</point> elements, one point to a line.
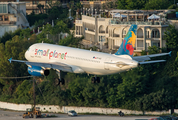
<point>81,61</point>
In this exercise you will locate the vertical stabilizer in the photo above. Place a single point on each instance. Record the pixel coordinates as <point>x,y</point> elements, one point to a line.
<point>128,44</point>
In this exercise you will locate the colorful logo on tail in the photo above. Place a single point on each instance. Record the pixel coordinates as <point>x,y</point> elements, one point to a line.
<point>128,44</point>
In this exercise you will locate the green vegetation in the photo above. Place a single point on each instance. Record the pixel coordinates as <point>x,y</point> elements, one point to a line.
<point>145,4</point>
<point>149,87</point>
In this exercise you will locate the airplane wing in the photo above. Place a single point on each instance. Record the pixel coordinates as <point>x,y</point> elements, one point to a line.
<point>54,65</point>
<point>147,57</point>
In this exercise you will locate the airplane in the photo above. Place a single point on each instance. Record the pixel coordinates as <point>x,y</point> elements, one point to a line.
<point>43,56</point>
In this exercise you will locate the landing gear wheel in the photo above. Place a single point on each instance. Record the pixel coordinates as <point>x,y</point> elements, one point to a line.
<point>98,80</point>
<point>62,81</point>
<point>57,82</point>
<point>93,80</point>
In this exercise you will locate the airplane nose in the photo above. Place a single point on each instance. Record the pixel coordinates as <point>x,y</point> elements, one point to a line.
<point>26,54</point>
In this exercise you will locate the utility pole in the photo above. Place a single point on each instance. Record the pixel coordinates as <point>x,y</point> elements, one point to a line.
<point>34,92</point>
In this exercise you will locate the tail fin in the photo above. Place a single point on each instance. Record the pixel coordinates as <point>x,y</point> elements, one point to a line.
<point>128,44</point>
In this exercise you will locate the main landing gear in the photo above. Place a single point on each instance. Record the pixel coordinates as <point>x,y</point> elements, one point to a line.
<point>95,79</point>
<point>60,80</point>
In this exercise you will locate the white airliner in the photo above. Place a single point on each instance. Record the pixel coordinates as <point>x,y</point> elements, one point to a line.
<point>42,57</point>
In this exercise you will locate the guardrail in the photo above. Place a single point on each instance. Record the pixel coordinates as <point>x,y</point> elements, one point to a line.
<point>78,21</point>
<point>139,22</point>
<point>8,22</point>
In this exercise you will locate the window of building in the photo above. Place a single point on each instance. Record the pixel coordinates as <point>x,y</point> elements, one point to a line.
<point>124,32</point>
<point>147,34</point>
<point>157,44</point>
<point>37,11</point>
<point>33,2</point>
<point>139,43</point>
<point>155,33</point>
<point>3,8</point>
<point>6,18</point>
<point>1,18</point>
<point>147,45</point>
<point>47,1</point>
<point>101,38</point>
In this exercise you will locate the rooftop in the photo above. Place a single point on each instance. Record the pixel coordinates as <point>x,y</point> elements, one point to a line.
<point>13,2</point>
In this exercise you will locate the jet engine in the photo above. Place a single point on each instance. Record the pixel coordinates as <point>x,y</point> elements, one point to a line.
<point>37,71</point>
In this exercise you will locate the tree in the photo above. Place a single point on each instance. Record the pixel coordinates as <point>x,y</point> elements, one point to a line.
<point>157,4</point>
<point>171,37</point>
<point>59,27</point>
<point>52,4</point>
<point>131,4</point>
<point>25,33</point>
<point>41,8</point>
<point>160,100</point>
<point>8,35</point>
<point>79,6</point>
<point>24,92</point>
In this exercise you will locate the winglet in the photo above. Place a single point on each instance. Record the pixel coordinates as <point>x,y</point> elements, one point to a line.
<point>170,53</point>
<point>10,60</point>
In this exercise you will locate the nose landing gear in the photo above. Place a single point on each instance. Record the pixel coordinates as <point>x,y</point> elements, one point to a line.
<point>95,80</point>
<point>60,80</point>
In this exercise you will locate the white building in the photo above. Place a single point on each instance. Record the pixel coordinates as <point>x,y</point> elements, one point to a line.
<point>112,31</point>
<point>12,16</point>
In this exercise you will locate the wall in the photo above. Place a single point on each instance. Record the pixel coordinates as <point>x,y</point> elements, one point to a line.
<point>65,109</point>
<point>7,28</point>
<point>174,23</point>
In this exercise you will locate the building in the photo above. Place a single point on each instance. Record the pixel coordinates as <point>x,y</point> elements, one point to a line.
<point>31,5</point>
<point>111,31</point>
<point>12,16</point>
<point>92,3</point>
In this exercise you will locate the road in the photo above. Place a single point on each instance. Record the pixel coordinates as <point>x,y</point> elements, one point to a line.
<point>12,115</point>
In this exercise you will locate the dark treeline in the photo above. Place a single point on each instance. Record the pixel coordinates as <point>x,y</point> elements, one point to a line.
<point>146,4</point>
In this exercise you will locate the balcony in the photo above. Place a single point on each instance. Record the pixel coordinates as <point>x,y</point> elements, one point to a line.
<point>7,22</point>
<point>31,6</point>
<point>116,35</point>
<point>139,22</point>
<point>123,36</point>
<point>140,48</point>
<point>93,2</point>
<point>78,21</point>
<point>101,31</point>
<point>139,36</point>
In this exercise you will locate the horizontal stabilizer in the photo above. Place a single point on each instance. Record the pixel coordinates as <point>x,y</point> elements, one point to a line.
<point>147,57</point>
<point>154,61</point>
<point>10,60</point>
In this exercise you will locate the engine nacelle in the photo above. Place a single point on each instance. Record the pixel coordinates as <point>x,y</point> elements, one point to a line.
<point>37,71</point>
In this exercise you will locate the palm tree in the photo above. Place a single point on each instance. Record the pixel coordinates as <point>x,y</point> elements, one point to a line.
<point>41,8</point>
